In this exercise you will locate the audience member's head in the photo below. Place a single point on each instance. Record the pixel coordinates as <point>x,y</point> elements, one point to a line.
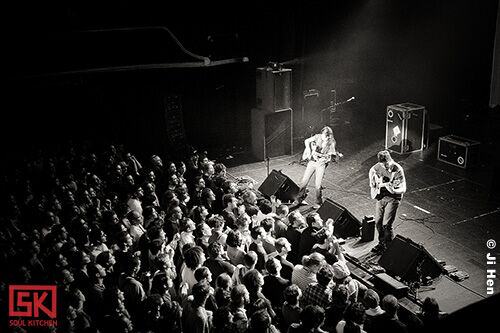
<point>207,195</point>
<point>229,187</point>
<point>354,316</point>
<point>187,225</point>
<point>198,214</point>
<point>96,272</point>
<point>224,281</point>
<point>314,261</point>
<point>324,275</point>
<point>203,273</point>
<point>243,222</point>
<point>105,259</point>
<point>216,222</point>
<point>161,283</point>
<point>314,220</point>
<point>340,271</point>
<point>282,245</point>
<point>254,281</point>
<point>250,259</point>
<point>257,233</point>
<point>292,294</point>
<point>265,206</point>
<point>430,309</point>
<point>296,220</point>
<point>390,305</point>
<point>252,211</point>
<point>250,197</point>
<point>200,292</point>
<point>371,299</point>
<point>222,319</point>
<point>260,321</point>
<point>194,257</point>
<point>273,266</point>
<point>267,224</point>
<point>240,295</point>
<point>215,250</point>
<point>202,230</point>
<point>340,296</point>
<point>220,169</point>
<point>132,264</point>
<point>234,238</point>
<point>282,211</point>
<point>229,201</point>
<point>312,317</point>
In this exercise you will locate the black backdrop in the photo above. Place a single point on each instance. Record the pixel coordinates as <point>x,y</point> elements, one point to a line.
<point>434,53</point>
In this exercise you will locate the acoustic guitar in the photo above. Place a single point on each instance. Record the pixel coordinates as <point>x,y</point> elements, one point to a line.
<point>379,185</point>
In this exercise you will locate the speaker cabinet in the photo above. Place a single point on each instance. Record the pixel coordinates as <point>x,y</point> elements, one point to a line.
<point>388,285</point>
<point>271,133</point>
<point>458,151</point>
<point>368,229</point>
<point>273,89</point>
<point>280,185</point>
<point>406,128</point>
<point>345,224</point>
<point>310,118</point>
<point>409,260</point>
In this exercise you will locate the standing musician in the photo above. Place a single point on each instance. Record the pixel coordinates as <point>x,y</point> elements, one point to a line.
<point>319,151</point>
<point>388,184</point>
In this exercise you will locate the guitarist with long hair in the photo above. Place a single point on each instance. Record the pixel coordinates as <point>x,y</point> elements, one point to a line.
<point>319,150</point>
<point>387,184</point>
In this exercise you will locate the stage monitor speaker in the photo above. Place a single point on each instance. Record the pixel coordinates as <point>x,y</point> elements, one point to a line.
<point>405,130</point>
<point>409,260</point>
<point>273,89</point>
<point>280,185</point>
<point>271,133</point>
<point>345,224</point>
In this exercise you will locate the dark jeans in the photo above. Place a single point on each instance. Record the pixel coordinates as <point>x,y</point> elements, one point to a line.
<point>385,214</point>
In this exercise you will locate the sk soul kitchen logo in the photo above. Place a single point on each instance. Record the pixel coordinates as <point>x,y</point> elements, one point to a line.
<point>31,306</point>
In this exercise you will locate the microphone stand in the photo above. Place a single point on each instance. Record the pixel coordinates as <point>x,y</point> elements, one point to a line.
<point>332,108</point>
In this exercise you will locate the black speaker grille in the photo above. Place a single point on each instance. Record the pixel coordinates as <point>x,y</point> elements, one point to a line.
<point>409,261</point>
<point>345,224</point>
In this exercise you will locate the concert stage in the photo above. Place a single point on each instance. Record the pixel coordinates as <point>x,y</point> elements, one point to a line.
<point>450,211</point>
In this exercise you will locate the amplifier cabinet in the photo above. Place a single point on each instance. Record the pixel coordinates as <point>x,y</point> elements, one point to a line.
<point>271,133</point>
<point>458,151</point>
<point>405,129</point>
<point>273,89</point>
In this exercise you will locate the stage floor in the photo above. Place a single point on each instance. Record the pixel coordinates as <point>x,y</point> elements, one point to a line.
<point>450,211</point>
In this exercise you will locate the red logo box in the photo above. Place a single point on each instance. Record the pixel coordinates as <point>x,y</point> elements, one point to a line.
<point>31,300</point>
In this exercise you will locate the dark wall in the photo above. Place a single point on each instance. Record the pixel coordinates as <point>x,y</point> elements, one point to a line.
<point>434,53</point>
<point>129,108</point>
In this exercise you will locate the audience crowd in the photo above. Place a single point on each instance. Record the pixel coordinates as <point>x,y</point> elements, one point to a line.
<point>178,246</point>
